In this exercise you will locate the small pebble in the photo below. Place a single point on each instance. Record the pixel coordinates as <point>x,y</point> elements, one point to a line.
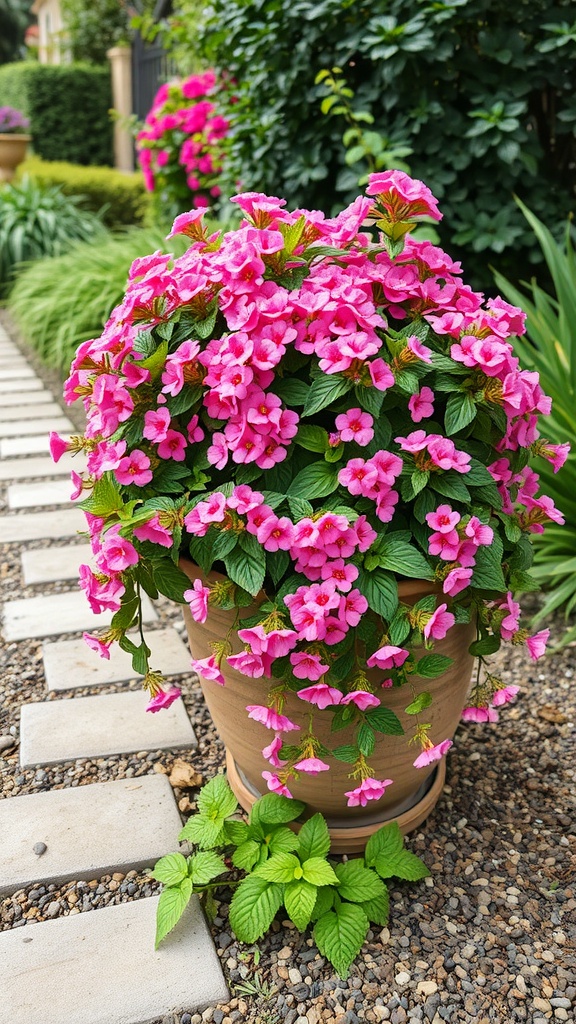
<point>39,849</point>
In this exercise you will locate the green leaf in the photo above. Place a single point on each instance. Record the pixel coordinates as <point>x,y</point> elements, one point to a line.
<point>205,866</point>
<point>422,701</point>
<point>370,399</point>
<point>292,390</point>
<point>358,883</point>
<point>340,934</point>
<point>299,507</point>
<point>401,865</point>
<point>398,556</point>
<point>366,740</point>
<point>203,832</point>
<point>276,810</point>
<point>388,841</point>
<point>378,909</point>
<point>380,590</point>
<point>315,481</point>
<point>488,645</point>
<point>170,580</point>
<point>324,901</point>
<point>325,389</point>
<point>314,838</point>
<point>432,665</point>
<point>104,499</point>
<point>488,573</point>
<point>460,411</point>
<point>224,542</point>
<point>170,869</point>
<point>312,438</point>
<point>246,856</point>
<point>299,900</point>
<point>318,871</point>
<point>216,799</point>
<point>450,485</point>
<point>282,840</point>
<point>281,867</point>
<point>385,721</point>
<point>171,905</point>
<point>246,564</point>
<point>253,907</point>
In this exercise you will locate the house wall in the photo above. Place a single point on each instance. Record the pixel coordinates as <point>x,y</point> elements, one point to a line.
<point>52,48</point>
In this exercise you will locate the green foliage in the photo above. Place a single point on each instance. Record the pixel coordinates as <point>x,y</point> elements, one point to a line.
<point>63,302</point>
<point>466,92</point>
<point>283,868</point>
<point>549,346</point>
<point>36,222</point>
<point>121,198</point>
<point>94,26</point>
<point>68,108</point>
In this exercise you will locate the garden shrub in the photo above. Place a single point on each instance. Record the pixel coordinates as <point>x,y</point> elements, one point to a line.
<point>62,302</point>
<point>68,106</point>
<point>479,90</point>
<point>123,196</point>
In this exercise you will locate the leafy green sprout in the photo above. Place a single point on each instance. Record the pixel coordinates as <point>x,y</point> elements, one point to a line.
<point>282,867</point>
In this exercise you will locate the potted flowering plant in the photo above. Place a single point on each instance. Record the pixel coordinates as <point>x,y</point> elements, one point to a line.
<point>318,441</point>
<point>13,141</point>
<point>180,145</point>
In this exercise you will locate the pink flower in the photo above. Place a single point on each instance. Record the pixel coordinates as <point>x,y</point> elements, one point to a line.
<point>270,719</point>
<point>173,446</point>
<point>272,750</point>
<point>510,621</point>
<point>197,599</point>
<point>369,789</point>
<point>307,666</point>
<point>275,786</point>
<point>155,532</point>
<point>58,446</point>
<point>381,374</point>
<point>432,754</point>
<point>388,657</point>
<point>420,405</point>
<point>312,766</point>
<point>504,696</point>
<point>537,644</point>
<point>134,469</point>
<point>117,552</point>
<point>163,699</point>
<point>321,695</point>
<point>362,699</point>
<point>96,644</point>
<point>457,579</point>
<point>156,424</point>
<point>556,454</point>
<point>439,623</point>
<point>251,664</point>
<point>415,346</point>
<point>444,520</point>
<point>356,425</point>
<point>486,714</point>
<point>209,668</point>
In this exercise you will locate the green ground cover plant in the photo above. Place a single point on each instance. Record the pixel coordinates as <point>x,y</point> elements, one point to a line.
<point>121,197</point>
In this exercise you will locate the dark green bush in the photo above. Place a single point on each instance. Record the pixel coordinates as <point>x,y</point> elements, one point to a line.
<point>68,108</point>
<point>123,195</point>
<point>481,91</point>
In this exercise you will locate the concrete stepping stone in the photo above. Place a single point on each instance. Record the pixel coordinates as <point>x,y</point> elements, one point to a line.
<point>32,617</point>
<point>22,398</point>
<point>21,384</point>
<point>85,831</point>
<point>36,426</point>
<point>23,526</point>
<point>30,412</point>
<point>8,362</point>
<point>101,968</point>
<point>116,723</point>
<point>21,372</point>
<point>36,444</point>
<point>40,466</point>
<point>71,664</point>
<point>49,492</point>
<point>51,564</point>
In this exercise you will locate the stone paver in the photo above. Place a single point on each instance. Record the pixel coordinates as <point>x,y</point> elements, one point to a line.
<point>22,400</point>
<point>36,444</point>
<point>48,492</point>
<point>20,373</point>
<point>19,411</point>
<point>63,730</point>
<point>101,968</point>
<point>21,384</point>
<point>51,564</point>
<point>40,466</point>
<point>71,664</point>
<point>70,612</point>
<point>25,526</point>
<point>85,831</point>
<point>24,428</point>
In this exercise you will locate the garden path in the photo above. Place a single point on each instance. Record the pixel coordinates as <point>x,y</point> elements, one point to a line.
<point>97,968</point>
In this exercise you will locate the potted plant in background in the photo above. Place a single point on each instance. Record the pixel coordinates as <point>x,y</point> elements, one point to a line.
<point>317,440</point>
<point>13,141</point>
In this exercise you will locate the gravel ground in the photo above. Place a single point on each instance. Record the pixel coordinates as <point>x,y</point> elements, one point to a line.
<point>488,938</point>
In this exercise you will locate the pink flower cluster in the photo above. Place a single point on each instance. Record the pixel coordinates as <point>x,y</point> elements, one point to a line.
<point>456,539</point>
<point>374,478</point>
<point>184,111</point>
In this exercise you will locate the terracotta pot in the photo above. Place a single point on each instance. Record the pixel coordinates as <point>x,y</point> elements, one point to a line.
<point>12,152</point>
<point>414,791</point>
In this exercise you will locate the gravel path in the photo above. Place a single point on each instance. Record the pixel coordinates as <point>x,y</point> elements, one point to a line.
<point>490,937</point>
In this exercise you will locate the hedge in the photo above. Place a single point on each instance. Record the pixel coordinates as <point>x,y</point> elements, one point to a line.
<point>123,195</point>
<point>68,106</point>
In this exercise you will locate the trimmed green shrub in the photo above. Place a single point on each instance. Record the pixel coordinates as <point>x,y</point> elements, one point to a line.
<point>480,93</point>
<point>62,302</point>
<point>123,195</point>
<point>549,346</point>
<point>37,222</point>
<point>68,107</point>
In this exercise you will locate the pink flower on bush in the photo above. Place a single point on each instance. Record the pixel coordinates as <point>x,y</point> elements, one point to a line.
<point>311,766</point>
<point>355,425</point>
<point>421,405</point>
<point>432,753</point>
<point>275,785</point>
<point>270,719</point>
<point>369,789</point>
<point>197,599</point>
<point>134,469</point>
<point>537,644</point>
<point>439,623</point>
<point>209,668</point>
<point>388,656</point>
<point>321,695</point>
<point>504,696</point>
<point>361,699</point>
<point>163,699</point>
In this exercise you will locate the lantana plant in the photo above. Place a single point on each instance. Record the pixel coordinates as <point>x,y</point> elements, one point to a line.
<point>180,145</point>
<point>318,408</point>
<point>13,122</point>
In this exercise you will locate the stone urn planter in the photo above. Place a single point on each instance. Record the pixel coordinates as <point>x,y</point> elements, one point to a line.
<point>415,791</point>
<point>12,153</point>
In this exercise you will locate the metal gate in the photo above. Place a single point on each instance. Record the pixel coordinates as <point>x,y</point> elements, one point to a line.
<point>151,67</point>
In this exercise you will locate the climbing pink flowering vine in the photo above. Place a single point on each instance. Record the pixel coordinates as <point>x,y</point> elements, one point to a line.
<point>180,145</point>
<point>318,408</point>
